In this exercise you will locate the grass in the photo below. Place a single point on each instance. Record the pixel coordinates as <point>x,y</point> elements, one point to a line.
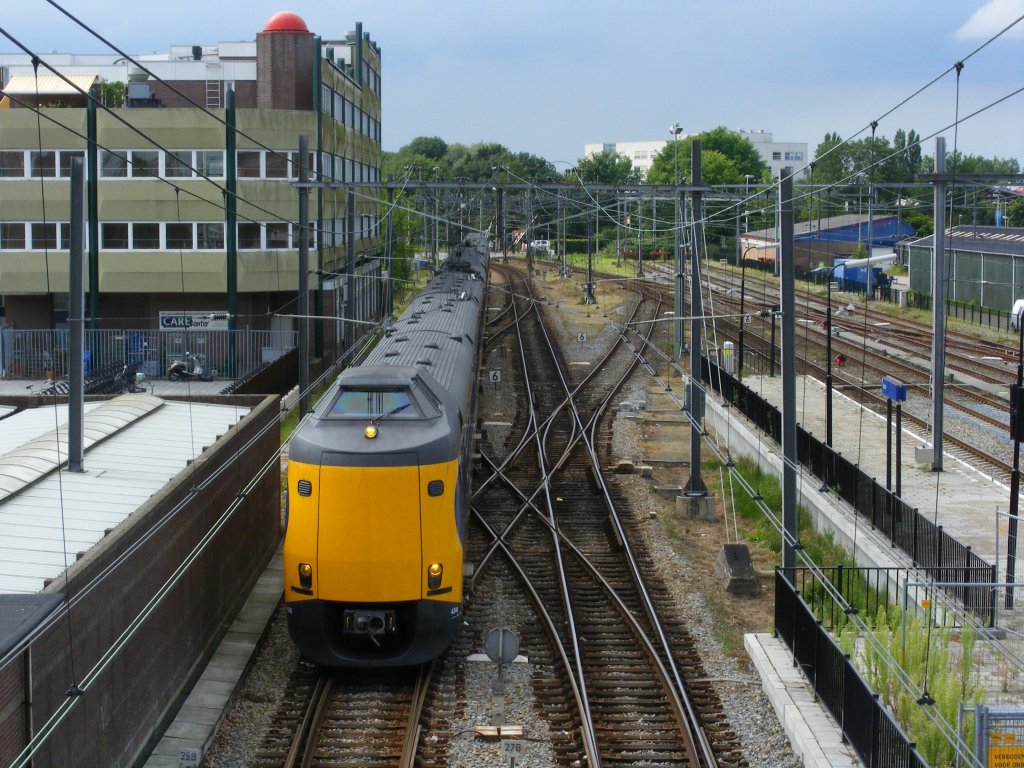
<point>928,656</point>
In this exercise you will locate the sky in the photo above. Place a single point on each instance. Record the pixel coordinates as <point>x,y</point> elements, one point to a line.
<point>548,76</point>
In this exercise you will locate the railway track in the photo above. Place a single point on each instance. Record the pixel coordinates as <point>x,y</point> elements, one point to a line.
<point>547,515</point>
<point>355,719</point>
<point>986,409</point>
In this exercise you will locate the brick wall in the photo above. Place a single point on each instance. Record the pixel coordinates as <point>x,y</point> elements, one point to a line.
<point>113,722</point>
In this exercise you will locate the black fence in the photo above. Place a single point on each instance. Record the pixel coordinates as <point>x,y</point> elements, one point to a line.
<point>869,590</point>
<point>867,725</point>
<point>962,310</point>
<point>930,548</point>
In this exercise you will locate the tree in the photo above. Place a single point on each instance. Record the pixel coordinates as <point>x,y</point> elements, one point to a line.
<point>830,160</point>
<point>608,168</point>
<point>727,159</point>
<point>429,146</point>
<point>1015,213</point>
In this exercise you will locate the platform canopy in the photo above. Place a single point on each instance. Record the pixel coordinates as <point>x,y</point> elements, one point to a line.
<point>49,85</point>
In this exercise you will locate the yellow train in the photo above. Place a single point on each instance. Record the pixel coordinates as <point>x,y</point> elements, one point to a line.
<point>379,485</point>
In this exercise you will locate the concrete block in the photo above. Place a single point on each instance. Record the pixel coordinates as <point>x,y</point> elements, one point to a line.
<point>625,468</point>
<point>698,507</point>
<point>668,491</point>
<point>645,470</point>
<point>736,570</point>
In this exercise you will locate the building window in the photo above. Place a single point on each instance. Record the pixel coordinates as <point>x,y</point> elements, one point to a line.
<point>12,236</point>
<point>210,236</point>
<point>277,234</point>
<point>293,164</point>
<point>776,155</point>
<point>12,164</point>
<point>277,165</point>
<point>248,164</point>
<point>210,162</point>
<point>145,163</point>
<point>180,236</point>
<point>44,236</point>
<point>178,164</point>
<point>65,235</point>
<point>146,236</point>
<point>114,236</point>
<point>113,165</point>
<point>65,162</point>
<point>44,164</point>
<point>249,236</point>
<point>794,155</point>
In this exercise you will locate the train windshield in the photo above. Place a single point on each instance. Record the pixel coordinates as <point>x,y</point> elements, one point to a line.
<point>374,403</point>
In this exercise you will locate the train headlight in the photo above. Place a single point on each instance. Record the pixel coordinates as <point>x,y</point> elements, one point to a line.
<point>434,575</point>
<point>305,575</point>
<point>370,432</point>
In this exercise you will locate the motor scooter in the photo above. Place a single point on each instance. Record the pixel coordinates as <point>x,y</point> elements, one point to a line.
<point>192,367</point>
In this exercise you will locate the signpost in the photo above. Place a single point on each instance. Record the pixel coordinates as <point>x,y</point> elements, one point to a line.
<point>894,390</point>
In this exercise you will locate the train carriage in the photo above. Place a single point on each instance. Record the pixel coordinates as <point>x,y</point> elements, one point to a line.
<point>379,485</point>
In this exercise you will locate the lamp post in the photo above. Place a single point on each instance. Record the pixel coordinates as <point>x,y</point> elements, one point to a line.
<point>828,360</point>
<point>743,319</point>
<point>851,263</point>
<point>675,130</point>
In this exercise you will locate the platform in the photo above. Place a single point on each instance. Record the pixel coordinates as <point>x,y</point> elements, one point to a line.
<point>190,734</point>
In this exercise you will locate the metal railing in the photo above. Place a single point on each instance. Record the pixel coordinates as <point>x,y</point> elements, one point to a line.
<point>43,354</point>
<point>962,310</point>
<point>866,724</point>
<point>930,548</point>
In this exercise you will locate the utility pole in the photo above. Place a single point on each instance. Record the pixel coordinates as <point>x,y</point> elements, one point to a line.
<point>350,275</point>
<point>696,492</point>
<point>501,222</point>
<point>92,206</point>
<point>303,278</point>
<point>76,321</point>
<point>938,302</point>
<point>231,225</point>
<point>680,272</point>
<point>389,295</point>
<point>787,288</point>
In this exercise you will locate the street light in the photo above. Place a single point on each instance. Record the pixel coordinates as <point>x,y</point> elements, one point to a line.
<point>851,263</point>
<point>743,319</point>
<point>675,130</point>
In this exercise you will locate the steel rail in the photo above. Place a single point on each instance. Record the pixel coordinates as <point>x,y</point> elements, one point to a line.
<point>545,615</point>
<point>589,734</point>
<point>301,751</point>
<point>691,723</point>
<point>413,729</point>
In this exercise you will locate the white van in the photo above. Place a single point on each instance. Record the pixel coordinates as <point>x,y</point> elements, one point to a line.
<point>1015,314</point>
<point>540,246</point>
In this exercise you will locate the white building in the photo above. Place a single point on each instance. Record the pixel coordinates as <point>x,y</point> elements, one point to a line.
<point>776,155</point>
<point>640,153</point>
<point>779,154</point>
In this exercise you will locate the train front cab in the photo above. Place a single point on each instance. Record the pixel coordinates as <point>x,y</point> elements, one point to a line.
<point>385,585</point>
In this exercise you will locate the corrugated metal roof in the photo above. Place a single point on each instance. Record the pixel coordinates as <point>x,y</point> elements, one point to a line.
<point>41,455</point>
<point>1005,241</point>
<point>123,470</point>
<point>49,85</point>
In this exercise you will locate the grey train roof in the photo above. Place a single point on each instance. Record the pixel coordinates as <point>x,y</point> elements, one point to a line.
<point>432,345</point>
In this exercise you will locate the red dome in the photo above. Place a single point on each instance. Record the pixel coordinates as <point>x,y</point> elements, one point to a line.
<point>286,21</point>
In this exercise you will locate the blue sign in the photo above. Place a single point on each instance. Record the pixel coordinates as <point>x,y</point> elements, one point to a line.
<point>894,390</point>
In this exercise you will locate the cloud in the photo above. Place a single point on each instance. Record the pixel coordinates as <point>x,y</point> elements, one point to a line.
<point>991,18</point>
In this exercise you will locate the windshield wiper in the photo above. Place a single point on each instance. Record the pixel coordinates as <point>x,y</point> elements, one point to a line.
<point>392,412</point>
